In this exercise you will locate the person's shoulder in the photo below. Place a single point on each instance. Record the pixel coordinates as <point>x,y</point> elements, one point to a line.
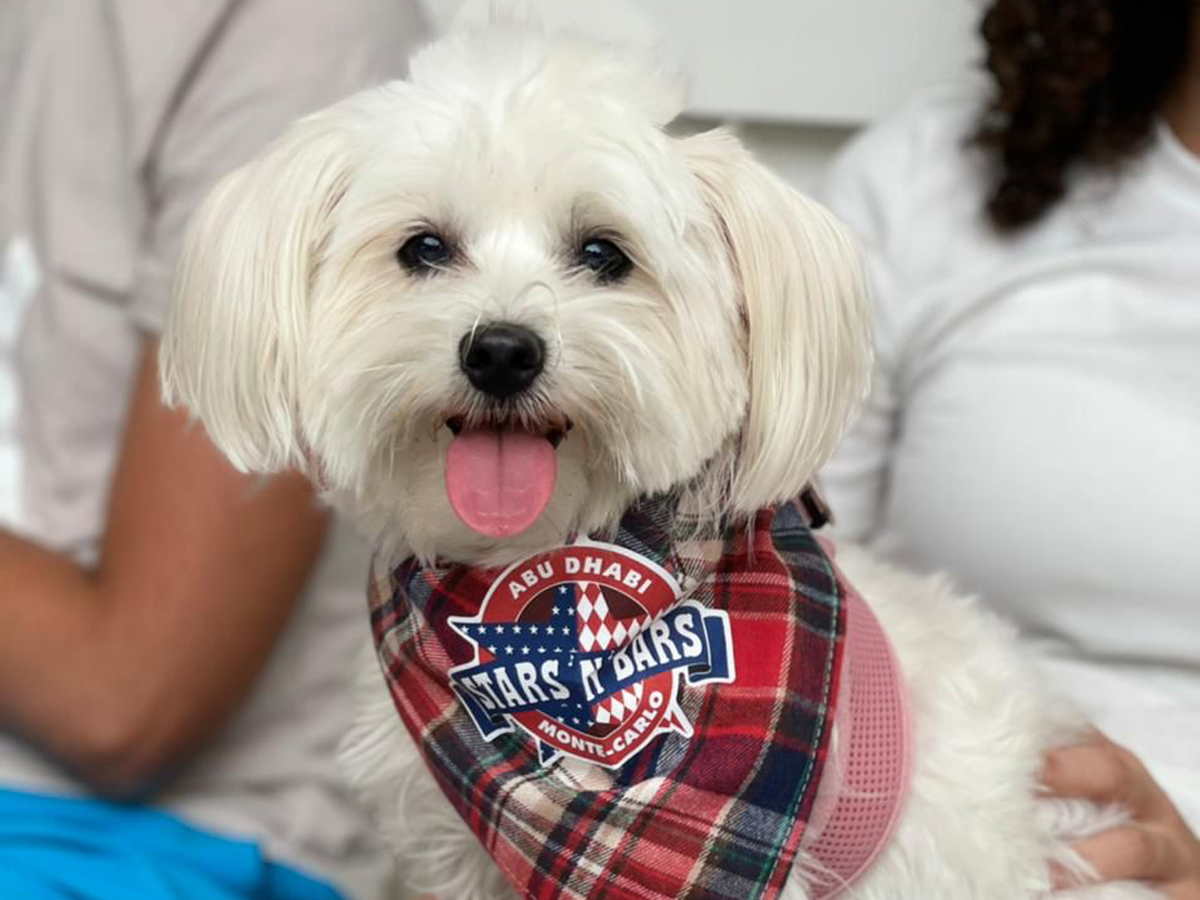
<point>918,157</point>
<point>399,24</point>
<point>939,116</point>
<point>261,51</point>
<point>346,44</point>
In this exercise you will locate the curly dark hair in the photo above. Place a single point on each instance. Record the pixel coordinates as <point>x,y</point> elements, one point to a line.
<point>1078,82</point>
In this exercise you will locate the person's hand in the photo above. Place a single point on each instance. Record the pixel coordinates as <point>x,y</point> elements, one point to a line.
<point>1156,846</point>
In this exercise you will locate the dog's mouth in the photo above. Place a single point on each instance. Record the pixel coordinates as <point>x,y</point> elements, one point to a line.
<point>500,474</point>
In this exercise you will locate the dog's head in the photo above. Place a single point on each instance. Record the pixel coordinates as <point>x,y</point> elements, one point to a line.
<point>489,306</point>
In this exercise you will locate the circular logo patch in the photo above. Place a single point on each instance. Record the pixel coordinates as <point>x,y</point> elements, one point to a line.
<point>582,648</point>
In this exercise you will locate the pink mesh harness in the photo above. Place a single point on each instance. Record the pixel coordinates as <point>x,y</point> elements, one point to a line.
<point>858,803</point>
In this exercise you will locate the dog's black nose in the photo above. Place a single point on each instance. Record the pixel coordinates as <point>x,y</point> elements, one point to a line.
<point>502,360</point>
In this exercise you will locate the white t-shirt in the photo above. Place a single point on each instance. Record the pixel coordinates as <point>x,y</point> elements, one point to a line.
<point>116,117</point>
<point>1034,423</point>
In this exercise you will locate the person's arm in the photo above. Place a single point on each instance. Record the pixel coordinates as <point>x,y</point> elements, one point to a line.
<point>121,670</point>
<point>1156,846</point>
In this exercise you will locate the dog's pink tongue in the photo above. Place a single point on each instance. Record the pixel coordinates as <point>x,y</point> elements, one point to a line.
<point>500,480</point>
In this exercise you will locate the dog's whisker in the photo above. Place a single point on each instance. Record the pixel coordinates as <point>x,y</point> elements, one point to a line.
<point>384,367</point>
<point>475,323</point>
<point>558,336</point>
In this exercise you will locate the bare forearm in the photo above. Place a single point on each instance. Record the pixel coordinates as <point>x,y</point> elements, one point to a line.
<point>51,612</point>
<point>58,668</point>
<point>113,676</point>
<point>121,671</point>
<point>83,671</point>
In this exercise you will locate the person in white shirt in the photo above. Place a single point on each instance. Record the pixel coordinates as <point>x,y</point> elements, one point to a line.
<point>1033,245</point>
<point>173,634</point>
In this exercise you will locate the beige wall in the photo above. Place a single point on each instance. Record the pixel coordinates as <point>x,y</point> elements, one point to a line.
<point>794,77</point>
<point>799,152</point>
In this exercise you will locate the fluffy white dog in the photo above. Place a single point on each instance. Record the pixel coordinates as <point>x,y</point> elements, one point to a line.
<point>491,307</point>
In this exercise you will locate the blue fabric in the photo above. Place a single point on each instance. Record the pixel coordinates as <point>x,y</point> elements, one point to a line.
<point>64,848</point>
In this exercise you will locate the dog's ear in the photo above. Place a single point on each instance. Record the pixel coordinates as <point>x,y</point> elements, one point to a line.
<point>803,298</point>
<point>239,315</point>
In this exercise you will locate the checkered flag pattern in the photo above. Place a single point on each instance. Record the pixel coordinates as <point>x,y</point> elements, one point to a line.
<point>618,706</point>
<point>599,629</point>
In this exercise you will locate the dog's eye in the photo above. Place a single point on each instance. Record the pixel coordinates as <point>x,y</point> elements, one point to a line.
<point>424,253</point>
<point>606,259</point>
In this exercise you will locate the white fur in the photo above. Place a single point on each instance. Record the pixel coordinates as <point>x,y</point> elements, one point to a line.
<point>728,362</point>
<point>298,340</point>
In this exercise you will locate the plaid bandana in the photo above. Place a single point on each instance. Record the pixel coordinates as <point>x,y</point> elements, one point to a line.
<point>646,718</point>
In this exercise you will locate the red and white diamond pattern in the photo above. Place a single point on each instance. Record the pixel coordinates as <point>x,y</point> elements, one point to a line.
<point>618,706</point>
<point>598,628</point>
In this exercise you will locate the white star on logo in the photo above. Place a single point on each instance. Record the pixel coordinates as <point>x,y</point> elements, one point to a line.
<point>508,649</point>
<point>524,649</point>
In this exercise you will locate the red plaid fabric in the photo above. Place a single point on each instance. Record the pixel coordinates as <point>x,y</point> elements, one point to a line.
<point>713,803</point>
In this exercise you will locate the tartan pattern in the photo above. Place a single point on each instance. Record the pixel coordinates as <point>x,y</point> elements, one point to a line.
<point>717,816</point>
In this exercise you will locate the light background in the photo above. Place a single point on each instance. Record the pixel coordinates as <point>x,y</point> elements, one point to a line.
<point>796,77</point>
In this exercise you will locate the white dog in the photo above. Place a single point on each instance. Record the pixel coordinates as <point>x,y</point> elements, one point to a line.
<point>493,307</point>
